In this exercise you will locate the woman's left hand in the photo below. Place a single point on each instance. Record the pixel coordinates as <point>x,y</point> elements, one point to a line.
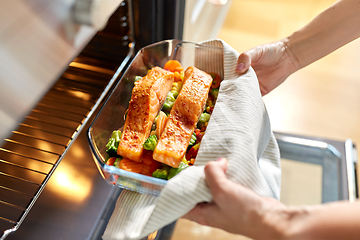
<point>235,209</point>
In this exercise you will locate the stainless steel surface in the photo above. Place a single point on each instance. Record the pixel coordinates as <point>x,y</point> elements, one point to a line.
<point>94,13</point>
<point>350,154</point>
<point>75,204</point>
<point>30,156</point>
<point>338,168</point>
<point>38,39</point>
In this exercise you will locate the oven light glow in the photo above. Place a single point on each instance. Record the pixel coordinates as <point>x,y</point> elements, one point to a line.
<point>91,68</point>
<point>63,180</point>
<point>71,185</point>
<point>81,95</point>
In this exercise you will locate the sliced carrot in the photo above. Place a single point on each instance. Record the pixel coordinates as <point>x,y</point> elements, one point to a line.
<point>155,165</point>
<point>148,161</point>
<point>111,161</point>
<point>160,123</point>
<point>145,169</point>
<point>146,154</point>
<point>216,80</point>
<point>173,66</point>
<point>131,166</point>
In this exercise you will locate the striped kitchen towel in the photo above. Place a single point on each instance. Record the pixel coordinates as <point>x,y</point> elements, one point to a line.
<point>239,130</point>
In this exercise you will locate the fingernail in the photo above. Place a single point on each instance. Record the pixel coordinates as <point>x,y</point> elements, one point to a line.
<point>240,66</point>
<point>220,159</point>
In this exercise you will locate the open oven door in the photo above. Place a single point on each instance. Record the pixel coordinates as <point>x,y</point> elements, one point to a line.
<point>317,170</point>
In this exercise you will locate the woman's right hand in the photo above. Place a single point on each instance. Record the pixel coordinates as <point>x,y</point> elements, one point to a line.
<point>272,62</point>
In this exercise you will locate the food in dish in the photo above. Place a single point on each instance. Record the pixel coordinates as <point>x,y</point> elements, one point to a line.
<point>183,118</point>
<point>186,110</point>
<point>148,95</point>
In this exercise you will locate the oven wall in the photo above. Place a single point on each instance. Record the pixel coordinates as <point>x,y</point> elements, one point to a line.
<point>157,20</point>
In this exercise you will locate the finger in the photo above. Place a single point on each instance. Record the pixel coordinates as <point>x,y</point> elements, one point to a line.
<point>243,63</point>
<point>202,213</point>
<point>215,176</point>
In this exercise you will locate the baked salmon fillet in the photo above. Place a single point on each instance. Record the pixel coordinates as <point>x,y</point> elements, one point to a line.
<point>183,117</point>
<point>148,96</point>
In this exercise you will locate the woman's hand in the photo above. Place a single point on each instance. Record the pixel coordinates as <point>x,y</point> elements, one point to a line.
<point>273,63</point>
<point>237,209</point>
<point>330,30</point>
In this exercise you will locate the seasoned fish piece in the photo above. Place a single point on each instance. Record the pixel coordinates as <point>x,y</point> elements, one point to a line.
<point>147,97</point>
<point>183,117</point>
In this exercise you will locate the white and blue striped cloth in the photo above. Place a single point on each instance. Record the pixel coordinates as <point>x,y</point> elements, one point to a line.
<point>239,130</point>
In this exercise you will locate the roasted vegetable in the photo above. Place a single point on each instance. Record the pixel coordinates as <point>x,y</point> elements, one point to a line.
<point>204,117</point>
<point>117,162</point>
<point>162,173</point>
<point>149,164</point>
<point>113,143</point>
<point>150,143</point>
<point>137,78</point>
<point>214,92</point>
<point>193,139</point>
<point>173,66</point>
<point>172,95</point>
<point>216,80</point>
<point>176,88</point>
<point>178,76</point>
<point>192,153</point>
<point>110,161</point>
<point>168,172</point>
<point>130,165</point>
<point>170,100</point>
<point>174,171</point>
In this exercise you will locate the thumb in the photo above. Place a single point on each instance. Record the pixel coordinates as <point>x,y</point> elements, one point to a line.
<point>243,63</point>
<point>215,176</point>
<point>246,59</point>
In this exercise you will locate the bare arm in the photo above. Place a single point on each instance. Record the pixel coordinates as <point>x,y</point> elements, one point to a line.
<point>338,220</point>
<point>331,29</point>
<point>239,210</point>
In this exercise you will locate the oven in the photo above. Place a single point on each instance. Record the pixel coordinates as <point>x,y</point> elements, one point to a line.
<point>58,62</point>
<point>61,59</point>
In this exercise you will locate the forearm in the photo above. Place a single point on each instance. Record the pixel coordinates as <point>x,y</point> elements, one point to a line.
<point>339,220</point>
<point>333,28</point>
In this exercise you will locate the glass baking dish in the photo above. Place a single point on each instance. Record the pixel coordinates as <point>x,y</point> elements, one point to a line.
<point>208,58</point>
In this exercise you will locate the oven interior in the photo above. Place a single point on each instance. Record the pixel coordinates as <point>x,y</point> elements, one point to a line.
<point>31,154</point>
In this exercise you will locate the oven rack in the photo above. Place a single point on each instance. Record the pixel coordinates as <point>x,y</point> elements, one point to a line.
<point>30,156</point>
